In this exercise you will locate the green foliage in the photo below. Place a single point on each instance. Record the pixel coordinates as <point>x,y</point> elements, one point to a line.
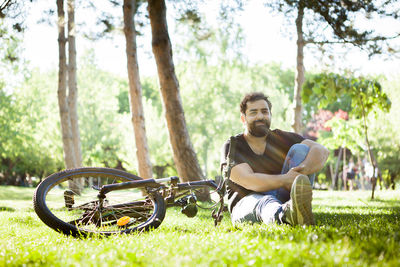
<point>104,117</point>
<point>15,136</point>
<point>151,93</point>
<point>9,46</point>
<point>30,139</point>
<point>384,128</point>
<point>366,95</point>
<point>352,230</point>
<point>28,143</point>
<point>343,134</point>
<point>357,96</point>
<point>123,102</point>
<point>312,106</point>
<point>12,69</point>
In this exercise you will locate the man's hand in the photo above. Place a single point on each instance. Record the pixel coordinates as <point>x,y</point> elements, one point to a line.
<point>290,176</point>
<point>301,168</point>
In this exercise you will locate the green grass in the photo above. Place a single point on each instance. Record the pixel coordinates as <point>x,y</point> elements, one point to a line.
<point>351,230</point>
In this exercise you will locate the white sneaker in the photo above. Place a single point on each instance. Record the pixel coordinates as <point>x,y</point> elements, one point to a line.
<point>298,209</point>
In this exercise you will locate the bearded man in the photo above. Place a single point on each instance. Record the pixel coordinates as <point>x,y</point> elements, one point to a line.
<point>272,172</point>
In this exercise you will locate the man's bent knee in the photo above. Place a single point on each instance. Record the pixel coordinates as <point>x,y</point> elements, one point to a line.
<point>298,151</point>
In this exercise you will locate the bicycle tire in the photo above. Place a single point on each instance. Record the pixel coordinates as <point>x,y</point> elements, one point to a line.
<point>61,212</point>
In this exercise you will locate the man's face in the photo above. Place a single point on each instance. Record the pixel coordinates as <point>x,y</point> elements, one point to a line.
<point>257,118</point>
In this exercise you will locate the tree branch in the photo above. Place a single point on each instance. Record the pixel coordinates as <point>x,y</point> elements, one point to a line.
<point>3,6</point>
<point>344,41</point>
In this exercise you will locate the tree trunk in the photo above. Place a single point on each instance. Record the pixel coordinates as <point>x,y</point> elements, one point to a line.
<point>335,179</point>
<point>370,155</point>
<point>392,178</point>
<point>377,173</point>
<point>344,170</point>
<point>184,155</point>
<point>69,156</point>
<point>73,94</point>
<point>135,91</point>
<point>297,124</point>
<point>72,84</point>
<point>331,174</point>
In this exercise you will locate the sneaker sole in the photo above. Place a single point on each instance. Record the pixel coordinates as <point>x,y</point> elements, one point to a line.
<point>301,195</point>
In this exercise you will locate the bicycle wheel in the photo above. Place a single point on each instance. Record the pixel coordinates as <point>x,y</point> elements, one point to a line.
<point>68,202</point>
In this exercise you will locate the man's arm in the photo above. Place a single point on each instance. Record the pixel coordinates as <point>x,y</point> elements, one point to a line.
<point>315,160</point>
<point>243,175</point>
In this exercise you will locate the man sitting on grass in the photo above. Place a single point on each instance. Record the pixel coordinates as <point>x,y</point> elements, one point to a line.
<point>268,181</point>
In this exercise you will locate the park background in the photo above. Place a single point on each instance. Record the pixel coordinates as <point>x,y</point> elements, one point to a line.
<point>221,50</point>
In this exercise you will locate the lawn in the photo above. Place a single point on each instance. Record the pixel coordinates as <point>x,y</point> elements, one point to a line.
<point>351,230</point>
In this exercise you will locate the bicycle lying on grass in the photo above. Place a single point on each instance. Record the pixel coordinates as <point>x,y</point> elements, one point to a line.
<point>104,201</point>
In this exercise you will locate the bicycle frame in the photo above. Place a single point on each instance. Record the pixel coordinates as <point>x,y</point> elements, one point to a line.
<point>169,192</point>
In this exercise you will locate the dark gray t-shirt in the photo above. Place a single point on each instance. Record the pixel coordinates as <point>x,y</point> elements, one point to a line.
<point>270,162</point>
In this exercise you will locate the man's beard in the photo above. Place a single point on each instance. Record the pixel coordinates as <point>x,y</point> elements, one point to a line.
<point>259,130</point>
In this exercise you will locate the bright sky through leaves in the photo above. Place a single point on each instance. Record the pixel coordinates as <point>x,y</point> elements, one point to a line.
<point>262,30</point>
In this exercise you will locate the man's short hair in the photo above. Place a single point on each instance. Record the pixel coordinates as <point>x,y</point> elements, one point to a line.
<point>251,97</point>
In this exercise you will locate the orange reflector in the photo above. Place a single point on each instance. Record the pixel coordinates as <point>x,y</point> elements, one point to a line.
<point>123,221</point>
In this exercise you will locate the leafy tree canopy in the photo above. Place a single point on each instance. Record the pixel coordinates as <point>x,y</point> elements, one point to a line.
<point>345,22</point>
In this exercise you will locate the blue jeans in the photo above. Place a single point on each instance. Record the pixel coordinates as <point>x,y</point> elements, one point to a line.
<point>266,207</point>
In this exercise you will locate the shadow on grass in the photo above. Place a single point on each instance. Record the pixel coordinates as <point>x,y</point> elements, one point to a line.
<point>356,219</point>
<point>363,209</point>
<point>7,209</point>
<point>386,201</point>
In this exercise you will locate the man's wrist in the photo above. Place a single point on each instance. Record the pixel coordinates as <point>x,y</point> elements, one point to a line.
<point>285,180</point>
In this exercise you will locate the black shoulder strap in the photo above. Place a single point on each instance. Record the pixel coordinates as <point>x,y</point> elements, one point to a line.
<point>226,169</point>
<point>231,155</point>
<point>226,173</point>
